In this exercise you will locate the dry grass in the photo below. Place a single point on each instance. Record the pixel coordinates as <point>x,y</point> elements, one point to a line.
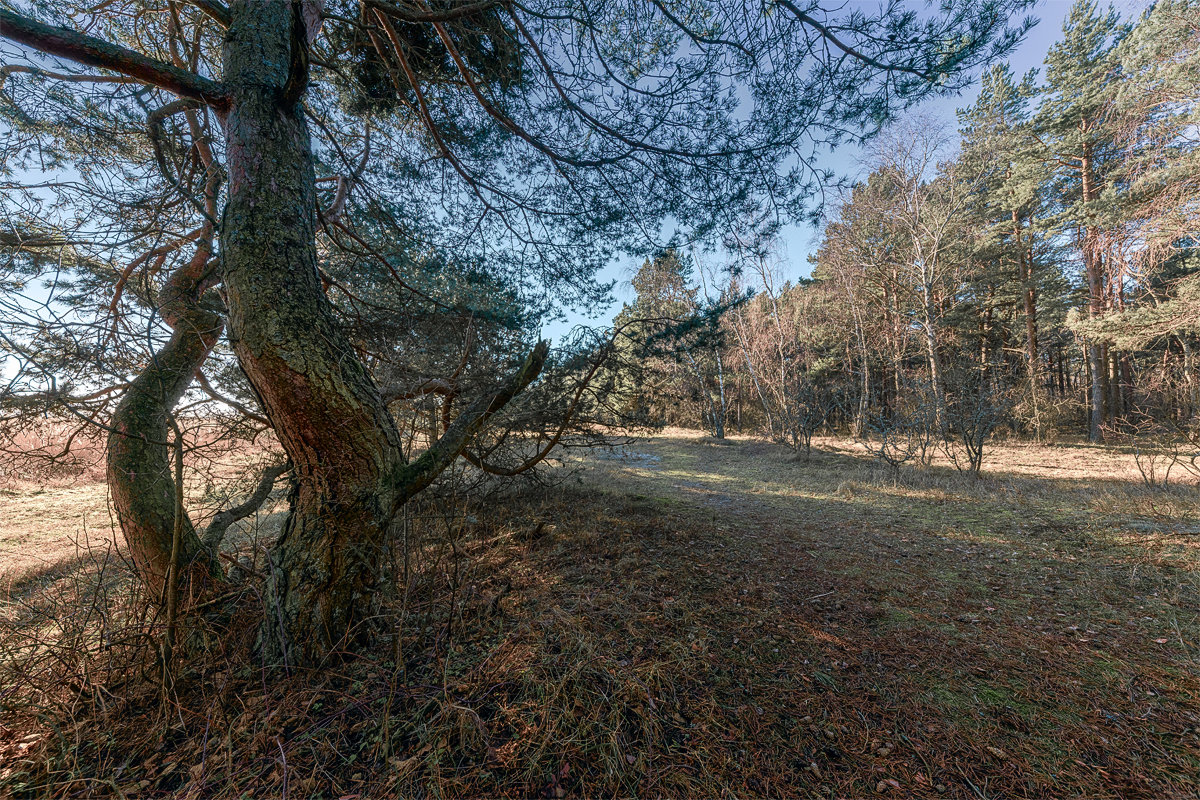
<point>691,619</point>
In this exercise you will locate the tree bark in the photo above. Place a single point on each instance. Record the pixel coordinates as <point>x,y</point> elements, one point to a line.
<point>1091,266</point>
<point>138,466</point>
<point>322,403</point>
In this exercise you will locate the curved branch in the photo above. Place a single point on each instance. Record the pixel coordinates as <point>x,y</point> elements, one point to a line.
<point>344,184</point>
<point>508,472</point>
<point>249,413</point>
<point>215,532</point>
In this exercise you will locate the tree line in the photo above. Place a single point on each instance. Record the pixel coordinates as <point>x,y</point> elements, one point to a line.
<point>1034,272</point>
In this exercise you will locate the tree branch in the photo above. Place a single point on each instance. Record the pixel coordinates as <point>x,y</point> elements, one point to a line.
<point>229,401</point>
<point>12,69</point>
<point>403,12</point>
<point>95,52</point>
<point>216,529</point>
<point>832,38</point>
<point>412,478</point>
<point>215,9</point>
<point>508,472</point>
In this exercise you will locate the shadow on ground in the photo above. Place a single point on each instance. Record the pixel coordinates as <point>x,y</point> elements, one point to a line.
<point>693,619</point>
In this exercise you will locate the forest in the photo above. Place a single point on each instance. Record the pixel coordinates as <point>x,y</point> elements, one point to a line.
<point>1032,274</point>
<point>334,466</point>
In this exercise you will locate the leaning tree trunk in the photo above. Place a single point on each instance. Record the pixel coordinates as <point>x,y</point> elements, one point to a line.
<point>139,473</point>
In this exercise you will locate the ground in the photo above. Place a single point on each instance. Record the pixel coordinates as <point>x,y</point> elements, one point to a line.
<point>691,617</point>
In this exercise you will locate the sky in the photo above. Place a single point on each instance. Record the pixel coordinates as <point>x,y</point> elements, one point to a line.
<point>797,242</point>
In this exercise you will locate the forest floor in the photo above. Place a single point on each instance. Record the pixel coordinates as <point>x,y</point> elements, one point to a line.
<point>688,617</point>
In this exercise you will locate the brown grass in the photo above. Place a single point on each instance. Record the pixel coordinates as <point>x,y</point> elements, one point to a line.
<point>689,619</point>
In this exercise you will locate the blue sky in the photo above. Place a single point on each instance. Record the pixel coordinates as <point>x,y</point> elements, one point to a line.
<point>798,242</point>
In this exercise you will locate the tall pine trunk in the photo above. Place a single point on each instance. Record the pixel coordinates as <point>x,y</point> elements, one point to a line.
<point>1029,303</point>
<point>323,405</point>
<point>1092,267</point>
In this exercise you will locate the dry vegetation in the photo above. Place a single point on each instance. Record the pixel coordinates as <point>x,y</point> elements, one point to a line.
<point>682,617</point>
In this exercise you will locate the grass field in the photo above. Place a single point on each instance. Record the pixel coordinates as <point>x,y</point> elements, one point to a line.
<point>688,617</point>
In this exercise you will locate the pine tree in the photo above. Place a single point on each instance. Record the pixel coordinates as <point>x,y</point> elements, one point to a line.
<point>1155,197</point>
<point>999,154</point>
<point>677,333</point>
<point>1079,150</point>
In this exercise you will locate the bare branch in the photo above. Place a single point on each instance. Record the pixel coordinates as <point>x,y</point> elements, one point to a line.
<point>215,9</point>
<point>830,37</point>
<point>412,478</point>
<point>216,529</point>
<point>406,13</point>
<point>12,69</point>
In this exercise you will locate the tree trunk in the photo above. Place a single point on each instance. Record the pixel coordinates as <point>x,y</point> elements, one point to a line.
<point>721,396</point>
<point>935,369</point>
<point>350,473</point>
<point>894,327</point>
<point>323,405</point>
<point>138,467</point>
<point>1029,303</point>
<point>1091,265</point>
<point>1189,376</point>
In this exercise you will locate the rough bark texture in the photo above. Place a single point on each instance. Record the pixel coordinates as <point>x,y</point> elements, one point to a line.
<point>139,473</point>
<point>322,403</point>
<point>350,476</point>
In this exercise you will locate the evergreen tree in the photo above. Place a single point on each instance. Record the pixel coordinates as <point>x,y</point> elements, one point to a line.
<point>1079,150</point>
<point>677,337</point>
<point>999,154</point>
